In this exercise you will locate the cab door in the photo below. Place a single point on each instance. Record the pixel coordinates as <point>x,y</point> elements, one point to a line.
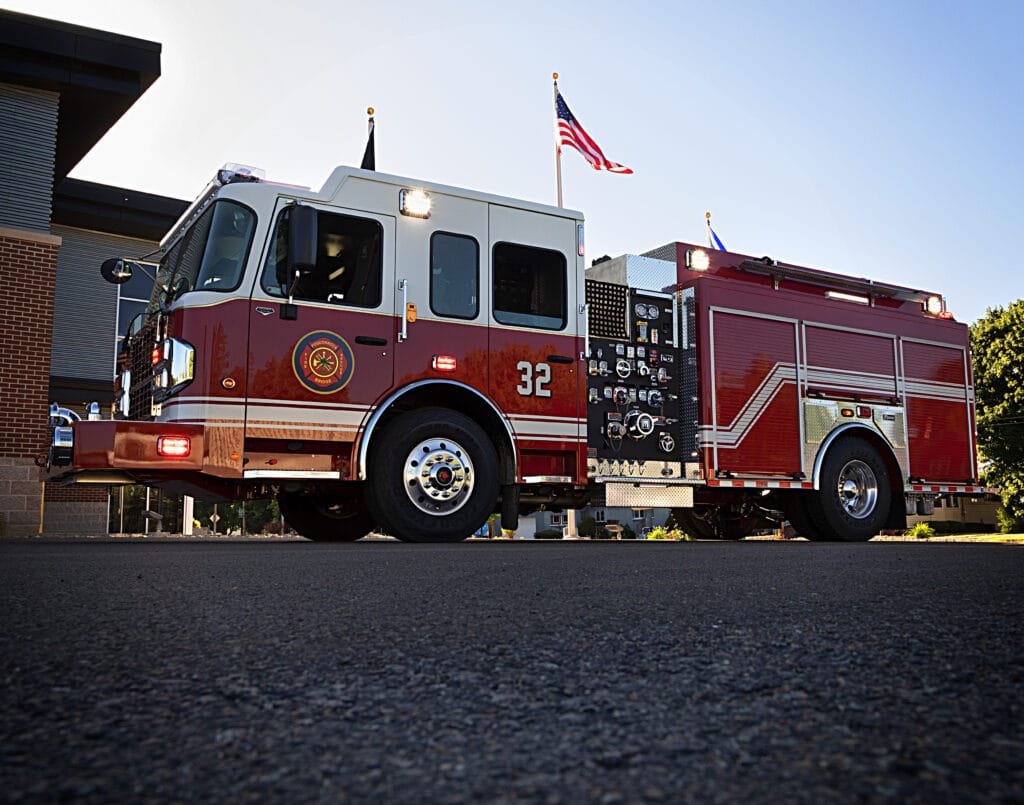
<point>318,366</point>
<point>534,363</point>
<point>442,285</point>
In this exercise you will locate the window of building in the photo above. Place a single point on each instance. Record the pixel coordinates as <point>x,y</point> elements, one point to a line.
<point>599,516</point>
<point>530,288</point>
<point>349,264</point>
<point>559,518</point>
<point>454,275</point>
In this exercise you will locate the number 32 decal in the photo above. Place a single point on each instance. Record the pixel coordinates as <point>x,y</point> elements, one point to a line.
<point>535,379</point>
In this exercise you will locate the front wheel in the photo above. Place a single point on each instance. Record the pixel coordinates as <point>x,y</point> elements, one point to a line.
<point>853,502</point>
<point>433,476</point>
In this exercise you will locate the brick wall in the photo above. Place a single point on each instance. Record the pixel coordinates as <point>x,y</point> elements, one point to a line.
<point>75,509</point>
<point>28,265</point>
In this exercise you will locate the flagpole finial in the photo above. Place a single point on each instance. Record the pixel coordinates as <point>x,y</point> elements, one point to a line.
<point>707,215</point>
<point>369,110</point>
<point>554,76</point>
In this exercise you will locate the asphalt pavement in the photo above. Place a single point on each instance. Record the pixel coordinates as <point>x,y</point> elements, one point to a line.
<point>541,672</point>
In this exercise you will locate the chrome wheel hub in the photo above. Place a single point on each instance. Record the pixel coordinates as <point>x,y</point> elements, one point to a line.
<point>438,476</point>
<point>858,489</point>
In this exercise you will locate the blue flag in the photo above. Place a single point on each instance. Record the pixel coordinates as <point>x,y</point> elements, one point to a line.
<point>714,242</point>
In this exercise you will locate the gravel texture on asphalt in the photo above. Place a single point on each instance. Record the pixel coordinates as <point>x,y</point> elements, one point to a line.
<point>553,672</point>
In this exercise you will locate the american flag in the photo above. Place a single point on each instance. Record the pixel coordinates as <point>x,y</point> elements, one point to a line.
<point>570,132</point>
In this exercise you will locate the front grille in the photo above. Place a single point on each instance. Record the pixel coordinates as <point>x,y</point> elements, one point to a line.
<point>140,356</point>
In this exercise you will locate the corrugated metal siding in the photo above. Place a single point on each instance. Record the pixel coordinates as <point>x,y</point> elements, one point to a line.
<point>85,306</point>
<point>28,143</point>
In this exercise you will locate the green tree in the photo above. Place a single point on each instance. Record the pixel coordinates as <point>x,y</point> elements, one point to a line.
<point>997,347</point>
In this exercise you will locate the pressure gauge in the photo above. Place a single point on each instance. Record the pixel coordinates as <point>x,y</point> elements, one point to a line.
<point>652,311</point>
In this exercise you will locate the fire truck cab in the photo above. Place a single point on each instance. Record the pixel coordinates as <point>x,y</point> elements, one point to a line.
<point>405,356</point>
<point>310,344</point>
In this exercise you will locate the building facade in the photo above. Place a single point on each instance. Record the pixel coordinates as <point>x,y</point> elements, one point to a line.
<point>62,87</point>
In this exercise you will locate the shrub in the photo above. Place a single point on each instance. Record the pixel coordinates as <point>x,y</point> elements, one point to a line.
<point>1008,523</point>
<point>663,533</point>
<point>921,531</point>
<point>587,527</point>
<point>628,533</point>
<point>548,533</point>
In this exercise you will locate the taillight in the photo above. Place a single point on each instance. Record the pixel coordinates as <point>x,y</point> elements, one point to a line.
<point>173,446</point>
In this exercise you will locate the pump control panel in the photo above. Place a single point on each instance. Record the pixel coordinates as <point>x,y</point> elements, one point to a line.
<point>634,409</point>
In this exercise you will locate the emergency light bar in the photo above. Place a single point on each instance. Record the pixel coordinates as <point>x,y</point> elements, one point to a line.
<point>233,172</point>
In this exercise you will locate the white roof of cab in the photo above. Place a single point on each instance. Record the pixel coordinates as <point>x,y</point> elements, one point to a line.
<point>342,172</point>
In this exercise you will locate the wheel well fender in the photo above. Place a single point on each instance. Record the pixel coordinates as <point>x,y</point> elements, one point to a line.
<point>884,449</point>
<point>443,394</point>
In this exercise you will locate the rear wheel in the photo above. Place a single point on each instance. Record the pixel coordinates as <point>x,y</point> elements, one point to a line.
<point>853,502</point>
<point>796,513</point>
<point>323,518</point>
<point>433,476</point>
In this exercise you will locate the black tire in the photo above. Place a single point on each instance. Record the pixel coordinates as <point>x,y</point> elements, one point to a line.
<point>853,502</point>
<point>796,513</point>
<point>321,518</point>
<point>433,476</point>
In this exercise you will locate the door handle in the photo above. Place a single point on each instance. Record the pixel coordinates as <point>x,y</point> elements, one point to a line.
<point>403,286</point>
<point>560,359</point>
<point>371,341</point>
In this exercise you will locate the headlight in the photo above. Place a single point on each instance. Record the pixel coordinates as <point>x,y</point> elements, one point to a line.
<point>175,370</point>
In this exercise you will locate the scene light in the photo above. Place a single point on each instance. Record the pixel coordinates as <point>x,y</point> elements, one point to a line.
<point>414,203</point>
<point>698,260</point>
<point>173,446</point>
<point>848,297</point>
<point>934,305</point>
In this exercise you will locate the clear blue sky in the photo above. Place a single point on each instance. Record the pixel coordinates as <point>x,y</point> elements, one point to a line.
<point>879,139</point>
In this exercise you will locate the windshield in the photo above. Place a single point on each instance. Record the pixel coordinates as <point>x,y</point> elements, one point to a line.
<point>209,257</point>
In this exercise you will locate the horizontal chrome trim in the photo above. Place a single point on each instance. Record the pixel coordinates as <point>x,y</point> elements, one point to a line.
<point>547,479</point>
<point>297,474</point>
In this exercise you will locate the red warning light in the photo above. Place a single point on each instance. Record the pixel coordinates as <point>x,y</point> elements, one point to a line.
<point>444,363</point>
<point>173,446</point>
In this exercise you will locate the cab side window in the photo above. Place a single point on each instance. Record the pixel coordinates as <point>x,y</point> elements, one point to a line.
<point>454,275</point>
<point>529,286</point>
<point>349,263</point>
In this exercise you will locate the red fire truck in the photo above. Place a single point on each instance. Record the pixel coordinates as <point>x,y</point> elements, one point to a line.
<point>410,357</point>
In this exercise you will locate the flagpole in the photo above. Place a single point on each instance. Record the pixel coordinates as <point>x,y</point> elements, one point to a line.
<point>370,152</point>
<point>558,149</point>
<point>707,226</point>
